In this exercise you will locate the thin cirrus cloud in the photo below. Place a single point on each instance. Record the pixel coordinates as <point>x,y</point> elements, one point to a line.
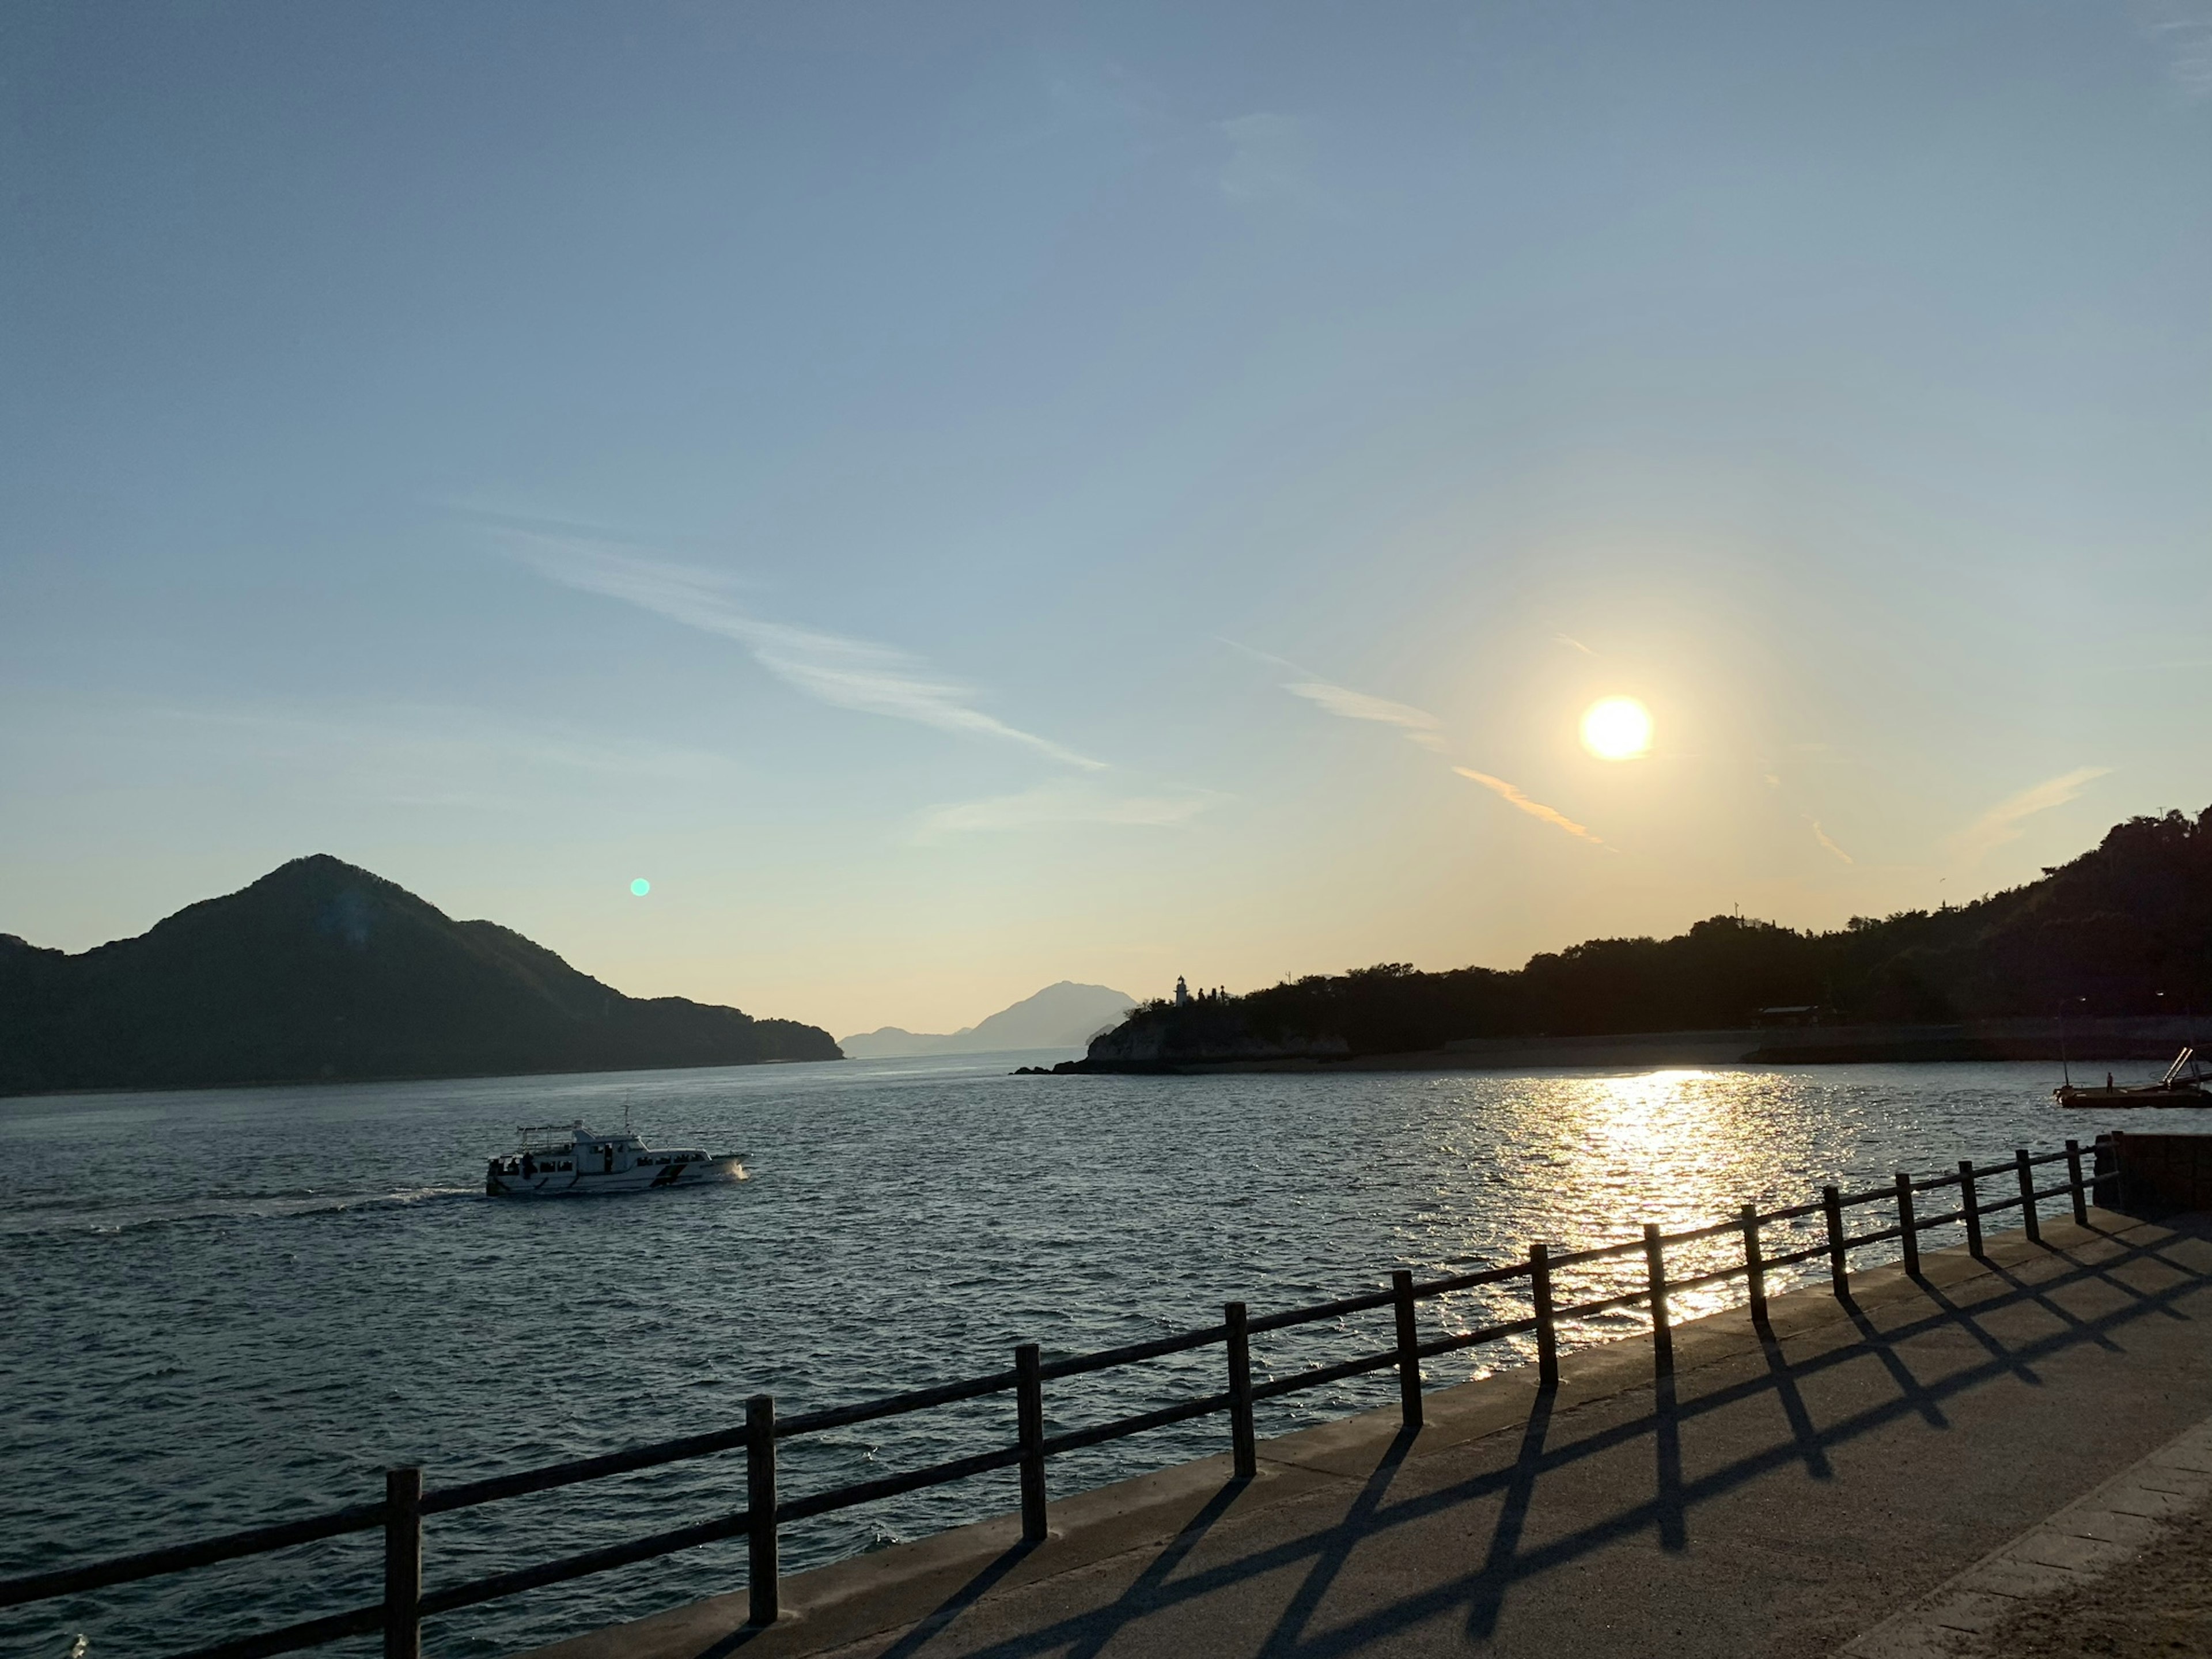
<point>2001,823</point>
<point>1417,725</point>
<point>2182,30</point>
<point>1061,802</point>
<point>1534,809</point>
<point>831,668</point>
<point>1819,834</point>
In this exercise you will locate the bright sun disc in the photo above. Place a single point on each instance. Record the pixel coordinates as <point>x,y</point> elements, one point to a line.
<point>1617,728</point>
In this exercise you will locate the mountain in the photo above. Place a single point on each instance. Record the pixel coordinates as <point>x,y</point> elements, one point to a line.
<point>2123,930</point>
<point>321,971</point>
<point>1062,1015</point>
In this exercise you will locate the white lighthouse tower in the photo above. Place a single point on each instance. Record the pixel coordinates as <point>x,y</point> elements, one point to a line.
<point>1182,993</point>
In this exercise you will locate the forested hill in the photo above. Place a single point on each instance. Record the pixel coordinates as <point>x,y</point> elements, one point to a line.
<point>2104,934</point>
<point>321,971</point>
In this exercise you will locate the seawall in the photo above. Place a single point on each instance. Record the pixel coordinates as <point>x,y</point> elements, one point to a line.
<point>1781,1489</point>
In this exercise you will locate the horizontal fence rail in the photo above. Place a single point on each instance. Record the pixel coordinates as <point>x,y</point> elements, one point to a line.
<point>399,1616</point>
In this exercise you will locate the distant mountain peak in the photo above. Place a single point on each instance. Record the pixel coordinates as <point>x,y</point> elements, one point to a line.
<point>1066,1014</point>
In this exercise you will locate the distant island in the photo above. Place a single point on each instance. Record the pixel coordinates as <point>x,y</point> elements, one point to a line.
<point>321,971</point>
<point>2118,939</point>
<point>1062,1015</point>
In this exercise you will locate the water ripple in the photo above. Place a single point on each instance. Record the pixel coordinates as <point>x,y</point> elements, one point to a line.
<point>231,1308</point>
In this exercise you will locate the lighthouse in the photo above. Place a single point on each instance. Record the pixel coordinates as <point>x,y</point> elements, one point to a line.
<point>1182,993</point>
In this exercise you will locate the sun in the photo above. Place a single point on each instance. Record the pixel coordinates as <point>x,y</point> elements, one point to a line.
<point>1617,728</point>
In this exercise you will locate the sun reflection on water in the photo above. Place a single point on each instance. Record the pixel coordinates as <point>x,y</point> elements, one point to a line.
<point>1588,1160</point>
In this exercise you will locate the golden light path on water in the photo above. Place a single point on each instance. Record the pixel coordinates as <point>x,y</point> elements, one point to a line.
<point>1683,1148</point>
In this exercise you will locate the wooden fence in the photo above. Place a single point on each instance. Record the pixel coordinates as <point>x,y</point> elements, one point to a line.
<point>405,1503</point>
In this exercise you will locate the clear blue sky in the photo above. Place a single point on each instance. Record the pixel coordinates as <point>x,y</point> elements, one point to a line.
<point>963,496</point>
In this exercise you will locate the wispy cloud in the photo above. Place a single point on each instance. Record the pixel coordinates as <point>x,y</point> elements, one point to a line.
<point>1419,725</point>
<point>2182,30</point>
<point>2001,823</point>
<point>1569,638</point>
<point>1821,836</point>
<point>841,671</point>
<point>1062,802</point>
<point>1534,809</point>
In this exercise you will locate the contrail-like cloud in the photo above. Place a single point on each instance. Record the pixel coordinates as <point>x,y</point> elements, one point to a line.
<point>1819,833</point>
<point>2001,823</point>
<point>1821,836</point>
<point>845,673</point>
<point>1534,809</point>
<point>1418,724</point>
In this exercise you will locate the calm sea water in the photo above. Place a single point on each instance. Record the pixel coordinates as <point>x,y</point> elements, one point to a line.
<point>227,1309</point>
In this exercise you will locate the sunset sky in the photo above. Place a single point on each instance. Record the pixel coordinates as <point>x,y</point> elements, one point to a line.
<point>959,497</point>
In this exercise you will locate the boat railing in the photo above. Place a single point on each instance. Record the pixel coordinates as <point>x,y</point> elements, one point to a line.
<point>406,1503</point>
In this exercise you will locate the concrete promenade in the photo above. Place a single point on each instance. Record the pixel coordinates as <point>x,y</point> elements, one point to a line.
<point>1781,1493</point>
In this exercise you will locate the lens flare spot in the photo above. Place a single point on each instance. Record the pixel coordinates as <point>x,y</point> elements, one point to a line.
<point>641,887</point>
<point>1617,728</point>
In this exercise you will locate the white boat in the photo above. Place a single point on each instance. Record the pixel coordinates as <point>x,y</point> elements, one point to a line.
<point>570,1160</point>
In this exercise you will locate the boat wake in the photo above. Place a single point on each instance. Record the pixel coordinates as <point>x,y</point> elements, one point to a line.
<point>78,1218</point>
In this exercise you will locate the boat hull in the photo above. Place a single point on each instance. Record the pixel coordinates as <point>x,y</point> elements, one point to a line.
<point>2150,1096</point>
<point>643,1178</point>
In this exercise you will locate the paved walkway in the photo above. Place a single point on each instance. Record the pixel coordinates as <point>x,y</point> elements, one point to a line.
<point>1780,1494</point>
<point>2119,1553</point>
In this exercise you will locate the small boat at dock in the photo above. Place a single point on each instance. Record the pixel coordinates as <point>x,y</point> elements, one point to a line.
<point>571,1160</point>
<point>2184,1085</point>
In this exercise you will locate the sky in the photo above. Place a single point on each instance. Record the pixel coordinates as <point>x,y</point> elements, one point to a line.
<point>962,497</point>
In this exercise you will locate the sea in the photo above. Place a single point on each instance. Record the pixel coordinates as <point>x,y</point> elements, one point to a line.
<point>231,1308</point>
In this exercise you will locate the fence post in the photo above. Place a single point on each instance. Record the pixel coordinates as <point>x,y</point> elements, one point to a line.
<point>1244,1448</point>
<point>1655,1271</point>
<point>2074,1182</point>
<point>2032,1221</point>
<point>2104,1182</point>
<point>403,1564</point>
<point>1908,1225</point>
<point>1028,1410</point>
<point>760,1510</point>
<point>1839,1272</point>
<point>1754,1265</point>
<point>1547,1334</point>
<point>1409,1349</point>
<point>1970,1200</point>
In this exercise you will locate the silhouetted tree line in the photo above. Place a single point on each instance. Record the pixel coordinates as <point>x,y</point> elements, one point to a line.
<point>2123,929</point>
